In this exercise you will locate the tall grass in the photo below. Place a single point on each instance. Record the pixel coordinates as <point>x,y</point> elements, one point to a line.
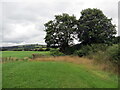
<point>89,63</point>
<point>108,59</point>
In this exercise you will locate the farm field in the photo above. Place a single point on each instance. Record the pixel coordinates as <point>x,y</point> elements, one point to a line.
<point>22,54</point>
<point>68,44</point>
<point>53,72</point>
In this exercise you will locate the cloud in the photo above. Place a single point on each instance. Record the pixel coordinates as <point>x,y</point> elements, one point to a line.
<point>23,20</point>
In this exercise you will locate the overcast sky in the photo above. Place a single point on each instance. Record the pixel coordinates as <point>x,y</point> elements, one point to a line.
<point>23,20</point>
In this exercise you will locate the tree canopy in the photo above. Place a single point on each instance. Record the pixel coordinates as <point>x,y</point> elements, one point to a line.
<point>60,31</point>
<point>95,27</point>
<point>92,27</point>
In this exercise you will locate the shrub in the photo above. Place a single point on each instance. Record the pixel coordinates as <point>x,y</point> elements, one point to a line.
<point>80,53</point>
<point>40,49</point>
<point>90,49</point>
<point>56,52</point>
<point>36,55</point>
<point>83,51</point>
<point>113,53</point>
<point>97,47</point>
<point>47,49</point>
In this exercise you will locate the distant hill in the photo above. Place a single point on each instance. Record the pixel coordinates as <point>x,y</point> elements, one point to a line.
<point>29,47</point>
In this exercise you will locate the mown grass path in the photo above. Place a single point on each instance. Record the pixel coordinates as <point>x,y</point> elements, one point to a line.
<point>51,74</point>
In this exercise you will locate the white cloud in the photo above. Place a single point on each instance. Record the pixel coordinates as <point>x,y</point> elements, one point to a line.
<point>23,20</point>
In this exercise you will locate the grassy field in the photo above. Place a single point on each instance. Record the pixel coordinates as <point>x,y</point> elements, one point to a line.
<point>54,72</point>
<point>22,54</point>
<point>32,74</point>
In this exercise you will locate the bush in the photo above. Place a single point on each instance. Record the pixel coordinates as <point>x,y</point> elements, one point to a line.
<point>83,51</point>
<point>113,53</point>
<point>40,49</point>
<point>56,52</point>
<point>90,49</point>
<point>97,47</point>
<point>36,55</point>
<point>80,53</point>
<point>47,49</point>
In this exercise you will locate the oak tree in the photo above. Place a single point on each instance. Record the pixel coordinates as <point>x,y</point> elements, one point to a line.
<point>95,27</point>
<point>60,31</point>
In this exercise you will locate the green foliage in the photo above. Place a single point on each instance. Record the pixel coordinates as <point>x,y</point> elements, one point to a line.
<point>47,49</point>
<point>99,57</point>
<point>56,52</point>
<point>116,40</point>
<point>60,31</point>
<point>93,48</point>
<point>95,27</point>
<point>81,53</point>
<point>89,49</point>
<point>70,50</point>
<point>113,53</point>
<point>92,27</point>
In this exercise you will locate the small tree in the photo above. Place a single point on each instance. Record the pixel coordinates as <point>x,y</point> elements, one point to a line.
<point>60,31</point>
<point>95,27</point>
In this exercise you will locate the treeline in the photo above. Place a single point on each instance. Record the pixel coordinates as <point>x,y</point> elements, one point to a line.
<point>31,47</point>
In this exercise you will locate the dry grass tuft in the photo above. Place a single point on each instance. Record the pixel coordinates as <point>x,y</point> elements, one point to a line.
<point>73,59</point>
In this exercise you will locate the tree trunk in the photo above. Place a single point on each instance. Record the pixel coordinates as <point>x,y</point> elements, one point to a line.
<point>63,47</point>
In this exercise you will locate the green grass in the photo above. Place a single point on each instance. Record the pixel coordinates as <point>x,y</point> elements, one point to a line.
<point>26,74</point>
<point>22,54</point>
<point>0,76</point>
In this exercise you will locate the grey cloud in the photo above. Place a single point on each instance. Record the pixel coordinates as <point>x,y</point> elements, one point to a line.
<point>31,16</point>
<point>25,14</point>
